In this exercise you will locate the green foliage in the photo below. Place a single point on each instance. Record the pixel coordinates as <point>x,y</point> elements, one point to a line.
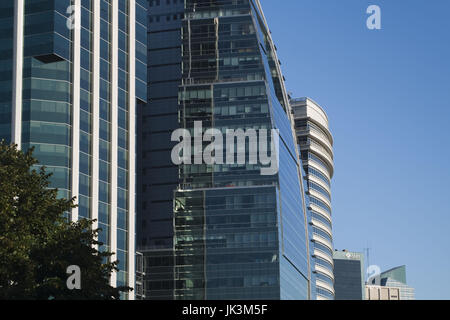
<point>38,242</point>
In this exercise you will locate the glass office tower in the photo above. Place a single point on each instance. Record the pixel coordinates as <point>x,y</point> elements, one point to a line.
<point>238,234</point>
<point>316,146</point>
<point>348,275</point>
<point>73,75</point>
<point>157,176</point>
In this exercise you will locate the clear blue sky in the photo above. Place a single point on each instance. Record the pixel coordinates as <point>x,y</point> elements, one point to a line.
<point>387,94</point>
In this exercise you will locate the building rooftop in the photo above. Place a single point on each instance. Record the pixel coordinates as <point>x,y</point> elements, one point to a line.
<point>397,273</point>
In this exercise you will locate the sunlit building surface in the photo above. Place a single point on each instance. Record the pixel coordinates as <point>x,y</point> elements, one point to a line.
<point>237,234</point>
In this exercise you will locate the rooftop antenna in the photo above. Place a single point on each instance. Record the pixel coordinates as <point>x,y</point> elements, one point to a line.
<point>367,251</point>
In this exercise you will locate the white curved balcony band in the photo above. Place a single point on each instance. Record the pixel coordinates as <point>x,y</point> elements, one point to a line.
<point>318,213</point>
<point>322,241</point>
<point>324,285</point>
<point>320,210</point>
<point>325,271</point>
<point>319,195</point>
<point>316,165</point>
<point>321,225</point>
<point>323,142</point>
<point>311,110</point>
<point>325,178</point>
<point>319,297</point>
<point>319,182</point>
<point>315,126</point>
<point>313,143</point>
<point>320,287</point>
<point>318,137</point>
<point>323,255</point>
<point>319,149</point>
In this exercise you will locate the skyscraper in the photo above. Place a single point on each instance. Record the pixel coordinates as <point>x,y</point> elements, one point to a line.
<point>239,234</point>
<point>229,231</point>
<point>348,275</point>
<point>316,146</point>
<point>73,75</point>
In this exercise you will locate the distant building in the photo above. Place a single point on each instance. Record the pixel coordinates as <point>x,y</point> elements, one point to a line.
<point>392,286</point>
<point>348,275</point>
<point>396,277</point>
<point>382,293</point>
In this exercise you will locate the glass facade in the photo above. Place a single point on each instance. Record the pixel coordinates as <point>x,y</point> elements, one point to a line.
<point>238,234</point>
<point>81,83</point>
<point>6,67</point>
<point>157,176</point>
<point>46,91</point>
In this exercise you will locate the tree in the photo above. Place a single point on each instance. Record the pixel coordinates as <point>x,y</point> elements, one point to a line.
<point>37,241</point>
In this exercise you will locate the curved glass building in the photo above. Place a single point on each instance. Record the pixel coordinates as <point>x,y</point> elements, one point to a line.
<point>316,147</point>
<point>238,234</point>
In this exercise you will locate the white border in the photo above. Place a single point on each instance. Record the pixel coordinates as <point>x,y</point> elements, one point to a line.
<point>16,121</point>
